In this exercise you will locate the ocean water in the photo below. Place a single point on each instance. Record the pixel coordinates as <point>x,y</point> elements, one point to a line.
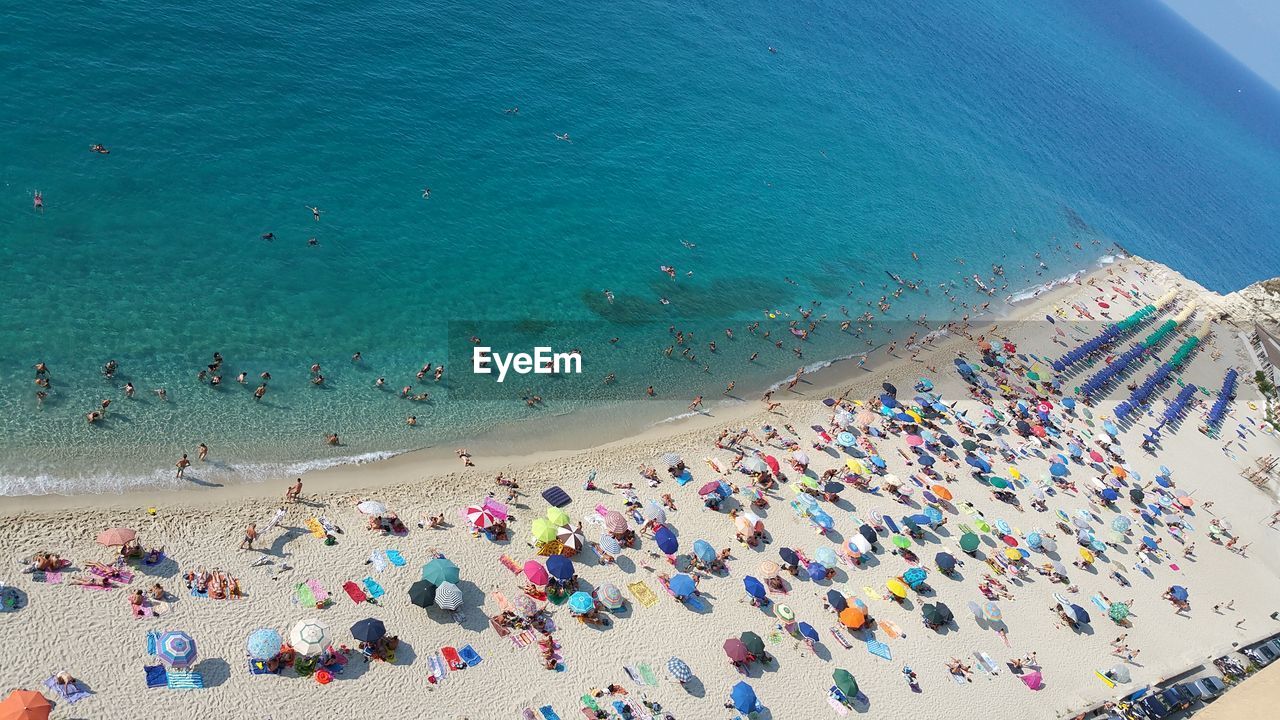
<point>988,130</point>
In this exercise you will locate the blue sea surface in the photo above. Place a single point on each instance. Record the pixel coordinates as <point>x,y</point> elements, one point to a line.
<point>983,130</point>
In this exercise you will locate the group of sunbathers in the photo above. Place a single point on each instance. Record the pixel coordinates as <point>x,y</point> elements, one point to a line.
<point>217,584</point>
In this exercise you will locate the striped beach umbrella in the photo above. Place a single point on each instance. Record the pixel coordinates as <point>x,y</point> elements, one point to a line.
<point>653,511</point>
<point>610,596</point>
<point>264,643</point>
<point>614,522</point>
<point>479,517</point>
<point>448,596</point>
<point>572,539</point>
<point>309,637</point>
<point>679,670</point>
<point>176,648</point>
<point>671,460</point>
<point>609,544</point>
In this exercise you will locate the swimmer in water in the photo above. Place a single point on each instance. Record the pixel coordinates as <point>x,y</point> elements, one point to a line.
<point>37,201</point>
<point>313,242</point>
<point>269,236</point>
<point>564,137</point>
<point>315,212</point>
<point>608,295</point>
<point>512,110</point>
<point>688,244</point>
<point>426,193</point>
<point>100,149</point>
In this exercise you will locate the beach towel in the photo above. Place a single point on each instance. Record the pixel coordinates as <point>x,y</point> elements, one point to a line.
<point>451,656</point>
<point>258,667</point>
<point>435,668</point>
<point>601,510</point>
<point>890,628</point>
<point>51,577</point>
<point>548,713</point>
<point>510,564</point>
<point>522,639</point>
<point>185,680</point>
<point>1104,607</point>
<point>985,663</point>
<point>72,694</point>
<point>590,702</point>
<point>556,496</point>
<point>379,560</point>
<point>646,672</point>
<point>838,633</point>
<point>695,602</point>
<point>373,588</point>
<point>316,529</point>
<point>354,592</point>
<point>837,705</point>
<point>152,637</point>
<point>879,649</point>
<point>396,558</point>
<point>498,627</point>
<point>644,595</point>
<point>123,576</point>
<point>633,674</point>
<point>470,656</point>
<point>156,675</point>
<point>198,593</point>
<point>305,596</point>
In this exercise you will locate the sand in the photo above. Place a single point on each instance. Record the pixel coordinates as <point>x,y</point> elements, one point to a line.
<point>93,635</point>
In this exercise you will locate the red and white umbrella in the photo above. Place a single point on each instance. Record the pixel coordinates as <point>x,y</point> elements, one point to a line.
<point>479,517</point>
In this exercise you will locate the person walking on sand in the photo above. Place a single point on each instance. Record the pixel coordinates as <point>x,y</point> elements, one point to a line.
<point>182,465</point>
<point>250,534</point>
<point>294,491</point>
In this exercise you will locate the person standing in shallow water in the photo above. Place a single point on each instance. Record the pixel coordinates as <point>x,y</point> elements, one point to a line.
<point>182,465</point>
<point>202,452</point>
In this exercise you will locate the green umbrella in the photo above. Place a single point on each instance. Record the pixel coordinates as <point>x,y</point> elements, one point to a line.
<point>846,683</point>
<point>998,482</point>
<point>969,445</point>
<point>1033,376</point>
<point>969,542</point>
<point>754,643</point>
<point>543,530</point>
<point>901,542</point>
<point>440,571</point>
<point>1119,611</point>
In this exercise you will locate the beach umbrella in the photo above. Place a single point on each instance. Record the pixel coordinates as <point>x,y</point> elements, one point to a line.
<point>896,587</point>
<point>991,611</point>
<point>1179,593</point>
<point>557,517</point>
<point>859,544</point>
<point>116,536</point>
<point>666,540</point>
<point>751,464</point>
<point>423,593</point>
<point>1033,679</point>
<point>543,530</point>
<point>931,614</point>
<point>832,488</point>
<point>836,600</point>
<point>679,670</point>
<point>784,612</point>
<point>535,573</point>
<point>816,571</point>
<point>615,523</point>
<point>1186,501</point>
<point>969,542</point>
<point>901,542</point>
<point>653,511</point>
<point>703,551</point>
<point>1009,540</point>
<point>25,705</point>
<point>1110,428</point>
<point>845,682</point>
<point>867,533</point>
<point>1163,481</point>
<point>1136,495</point>
<point>581,603</point>
<point>941,491</point>
<point>1059,568</point>
<point>735,649</point>
<point>1120,674</point>
<point>825,556</point>
<point>610,596</point>
<point>877,461</point>
<point>478,516</point>
<point>176,648</point>
<point>914,441</point>
<point>754,587</point>
<point>682,585</point>
<point>1086,555</point>
<point>448,596</point>
<point>754,643</point>
<point>800,457</point>
<point>372,507</point>
<point>1118,611</point>
<point>571,539</point>
<point>807,631</point>
<point>264,644</point>
<point>610,545</point>
<point>1058,470</point>
<point>1012,554</point>
<point>671,460</point>
<point>1081,523</point>
<point>920,519</point>
<point>707,489</point>
<point>998,483</point>
<point>846,439</point>
<point>945,561</point>
<point>1081,615</point>
<point>1096,456</point>
<point>978,463</point>
<point>772,462</point>
<point>560,567</point>
<point>369,630</point>
<point>1033,540</point>
<point>440,571</point>
<point>888,401</point>
<point>1109,495</point>
<point>1150,542</point>
<point>743,698</point>
<point>526,605</point>
<point>788,556</point>
<point>914,576</point>
<point>926,460</point>
<point>933,515</point>
<point>852,617</point>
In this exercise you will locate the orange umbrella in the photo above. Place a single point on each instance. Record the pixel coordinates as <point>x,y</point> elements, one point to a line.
<point>852,617</point>
<point>742,524</point>
<point>769,569</point>
<point>25,705</point>
<point>941,491</point>
<point>1186,501</point>
<point>116,536</point>
<point>1119,471</point>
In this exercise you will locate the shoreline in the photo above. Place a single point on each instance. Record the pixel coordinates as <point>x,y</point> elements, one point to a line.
<point>558,436</point>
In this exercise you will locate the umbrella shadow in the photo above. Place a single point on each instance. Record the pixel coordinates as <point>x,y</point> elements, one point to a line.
<point>215,671</point>
<point>694,687</point>
<point>166,568</point>
<point>625,564</point>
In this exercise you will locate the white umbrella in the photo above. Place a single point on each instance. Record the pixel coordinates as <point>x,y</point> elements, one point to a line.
<point>800,457</point>
<point>372,507</point>
<point>571,539</point>
<point>671,459</point>
<point>309,637</point>
<point>448,596</point>
<point>860,543</point>
<point>754,464</point>
<point>654,511</point>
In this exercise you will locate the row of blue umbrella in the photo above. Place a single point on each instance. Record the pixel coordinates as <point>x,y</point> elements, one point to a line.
<point>1228,391</point>
<point>1179,404</point>
<point>1115,367</point>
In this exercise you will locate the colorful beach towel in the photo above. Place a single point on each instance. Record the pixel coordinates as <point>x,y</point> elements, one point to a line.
<point>313,525</point>
<point>548,713</point>
<point>644,595</point>
<point>72,695</point>
<point>879,649</point>
<point>510,564</point>
<point>354,592</point>
<point>258,667</point>
<point>396,558</point>
<point>305,595</point>
<point>646,672</point>
<point>522,639</point>
<point>185,680</point>
<point>152,637</point>
<point>373,588</point>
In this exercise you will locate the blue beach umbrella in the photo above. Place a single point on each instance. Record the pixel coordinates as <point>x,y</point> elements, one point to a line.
<point>926,460</point>
<point>1120,523</point>
<point>264,644</point>
<point>945,561</point>
<point>1150,542</point>
<point>1034,541</point>
<point>825,556</point>
<point>666,540</point>
<point>560,567</point>
<point>176,648</point>
<point>846,439</point>
<point>703,551</point>
<point>754,587</point>
<point>1179,593</point>
<point>369,630</point>
<point>610,544</point>
<point>679,670</point>
<point>1163,481</point>
<point>920,519</point>
<point>836,600</point>
<point>933,514</point>
<point>978,463</point>
<point>903,417</point>
<point>682,585</point>
<point>1003,527</point>
<point>822,519</point>
<point>440,571</point>
<point>744,698</point>
<point>877,461</point>
<point>817,571</point>
<point>1058,470</point>
<point>806,630</point>
<point>581,603</point>
<point>914,576</point>
<point>1110,495</point>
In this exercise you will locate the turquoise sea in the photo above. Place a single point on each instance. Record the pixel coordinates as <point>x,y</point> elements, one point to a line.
<point>988,130</point>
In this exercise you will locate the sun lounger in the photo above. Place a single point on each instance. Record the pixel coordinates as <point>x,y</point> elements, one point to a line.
<point>71,695</point>
<point>156,675</point>
<point>373,588</point>
<point>185,680</point>
<point>354,592</point>
<point>470,656</point>
<point>396,558</point>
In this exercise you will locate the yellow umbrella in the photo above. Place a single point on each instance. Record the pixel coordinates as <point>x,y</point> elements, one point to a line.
<point>543,530</point>
<point>1015,473</point>
<point>856,466</point>
<point>896,587</point>
<point>1088,556</point>
<point>558,517</point>
<point>914,415</point>
<point>1012,554</point>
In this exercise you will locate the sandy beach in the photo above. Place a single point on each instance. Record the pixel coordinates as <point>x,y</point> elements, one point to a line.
<point>94,635</point>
